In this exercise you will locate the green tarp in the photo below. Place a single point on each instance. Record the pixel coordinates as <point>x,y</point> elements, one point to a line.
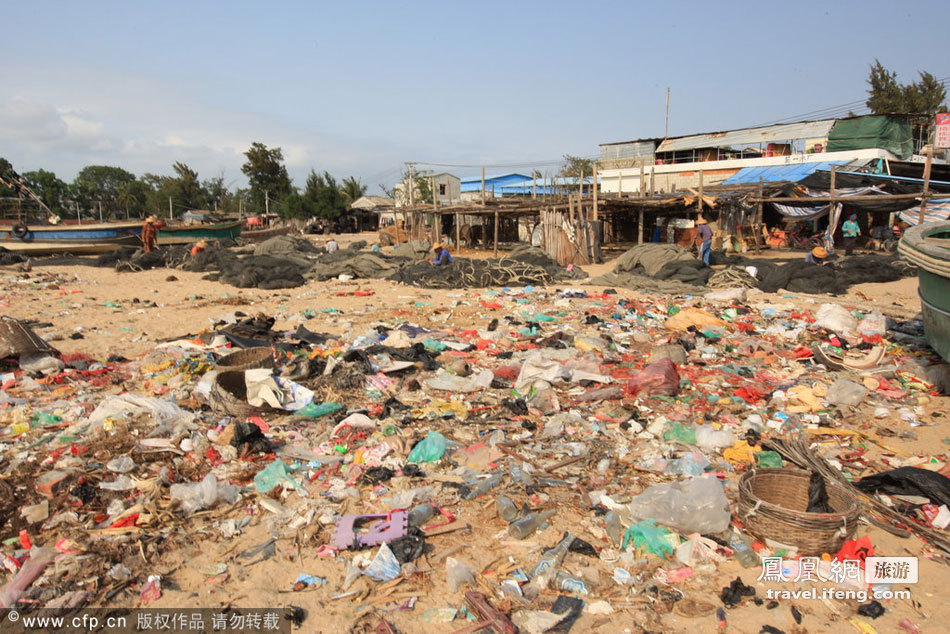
<point>886,133</point>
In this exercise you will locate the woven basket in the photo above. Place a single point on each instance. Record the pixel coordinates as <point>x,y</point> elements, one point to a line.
<point>772,505</point>
<point>248,359</point>
<point>229,395</point>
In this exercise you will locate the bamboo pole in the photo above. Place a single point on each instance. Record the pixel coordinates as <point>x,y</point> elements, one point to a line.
<point>483,185</point>
<point>926,194</point>
<point>640,227</point>
<point>595,210</point>
<point>496,233</point>
<point>700,208</point>
<point>758,220</point>
<point>458,232</point>
<point>836,199</point>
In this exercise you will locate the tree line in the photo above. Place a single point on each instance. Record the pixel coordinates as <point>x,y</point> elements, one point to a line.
<point>120,194</point>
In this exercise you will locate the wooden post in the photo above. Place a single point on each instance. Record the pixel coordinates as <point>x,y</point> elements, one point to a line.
<point>619,184</point>
<point>496,233</point>
<point>758,219</point>
<point>483,185</point>
<point>595,209</point>
<point>458,231</point>
<point>926,194</point>
<point>643,188</point>
<point>534,186</point>
<point>652,177</point>
<point>640,226</point>
<point>700,208</point>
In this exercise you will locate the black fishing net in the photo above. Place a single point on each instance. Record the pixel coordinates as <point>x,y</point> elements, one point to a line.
<point>834,278</point>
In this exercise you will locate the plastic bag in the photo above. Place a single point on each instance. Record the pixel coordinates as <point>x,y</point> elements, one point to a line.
<point>769,460</point>
<point>458,574</point>
<point>710,439</point>
<point>873,324</point>
<point>429,449</point>
<point>680,433</point>
<point>698,505</point>
<point>845,393</point>
<point>835,318</point>
<point>272,475</point>
<point>659,378</point>
<point>315,410</point>
<point>648,536</point>
<point>196,496</point>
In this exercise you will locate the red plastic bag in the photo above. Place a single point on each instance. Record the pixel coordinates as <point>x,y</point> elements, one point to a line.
<point>659,378</point>
<point>856,549</point>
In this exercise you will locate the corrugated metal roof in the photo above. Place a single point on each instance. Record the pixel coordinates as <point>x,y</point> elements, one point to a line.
<point>773,173</point>
<point>747,136</point>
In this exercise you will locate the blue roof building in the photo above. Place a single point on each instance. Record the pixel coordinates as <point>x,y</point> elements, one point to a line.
<point>509,182</point>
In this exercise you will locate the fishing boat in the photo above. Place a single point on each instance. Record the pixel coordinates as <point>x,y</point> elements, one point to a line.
<point>50,239</point>
<point>186,234</point>
<point>928,246</point>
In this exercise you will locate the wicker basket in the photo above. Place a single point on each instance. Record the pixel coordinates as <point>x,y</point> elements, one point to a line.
<point>248,359</point>
<point>772,505</point>
<point>229,395</point>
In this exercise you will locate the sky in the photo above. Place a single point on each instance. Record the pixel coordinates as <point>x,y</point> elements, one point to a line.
<point>360,88</point>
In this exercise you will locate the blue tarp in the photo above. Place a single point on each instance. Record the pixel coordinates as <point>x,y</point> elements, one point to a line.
<point>773,173</point>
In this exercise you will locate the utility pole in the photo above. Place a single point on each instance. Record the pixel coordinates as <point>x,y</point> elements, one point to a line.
<point>266,201</point>
<point>666,127</point>
<point>100,212</point>
<point>483,186</point>
<point>411,185</point>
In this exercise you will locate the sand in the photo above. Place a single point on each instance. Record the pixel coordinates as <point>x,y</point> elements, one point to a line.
<point>114,313</point>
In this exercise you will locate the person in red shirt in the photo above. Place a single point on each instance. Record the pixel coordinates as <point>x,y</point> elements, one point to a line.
<point>199,247</point>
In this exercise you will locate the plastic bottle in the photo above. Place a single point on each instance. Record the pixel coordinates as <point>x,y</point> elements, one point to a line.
<point>526,526</point>
<point>507,509</point>
<point>747,557</point>
<point>570,583</point>
<point>482,486</point>
<point>552,557</point>
<point>421,514</point>
<point>614,527</point>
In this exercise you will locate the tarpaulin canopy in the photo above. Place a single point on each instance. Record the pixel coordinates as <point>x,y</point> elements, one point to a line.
<point>882,132</point>
<point>936,211</point>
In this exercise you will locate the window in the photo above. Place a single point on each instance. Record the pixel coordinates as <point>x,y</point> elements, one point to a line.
<point>441,189</point>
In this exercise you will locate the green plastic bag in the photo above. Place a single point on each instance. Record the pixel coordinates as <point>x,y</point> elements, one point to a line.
<point>647,535</point>
<point>769,460</point>
<point>681,433</point>
<point>271,476</point>
<point>314,410</point>
<point>433,346</point>
<point>430,449</point>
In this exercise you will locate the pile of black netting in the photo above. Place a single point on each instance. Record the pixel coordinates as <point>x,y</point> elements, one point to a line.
<point>686,271</point>
<point>524,266</point>
<point>10,257</point>
<point>835,277</point>
<point>261,271</point>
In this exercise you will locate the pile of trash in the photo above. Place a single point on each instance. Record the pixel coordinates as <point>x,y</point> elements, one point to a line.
<point>565,460</point>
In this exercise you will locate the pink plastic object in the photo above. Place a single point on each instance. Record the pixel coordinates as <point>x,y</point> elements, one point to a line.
<point>39,559</point>
<point>390,528</point>
<point>659,378</point>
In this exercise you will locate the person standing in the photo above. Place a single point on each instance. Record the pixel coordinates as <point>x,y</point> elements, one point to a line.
<point>704,236</point>
<point>149,234</point>
<point>851,231</point>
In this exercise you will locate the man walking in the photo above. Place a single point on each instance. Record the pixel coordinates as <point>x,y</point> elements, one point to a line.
<point>704,235</point>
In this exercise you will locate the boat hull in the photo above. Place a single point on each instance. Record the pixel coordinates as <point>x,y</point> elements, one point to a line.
<point>192,233</point>
<point>926,246</point>
<point>76,239</point>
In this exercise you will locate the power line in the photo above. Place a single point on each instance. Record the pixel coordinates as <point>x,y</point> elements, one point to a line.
<point>832,112</point>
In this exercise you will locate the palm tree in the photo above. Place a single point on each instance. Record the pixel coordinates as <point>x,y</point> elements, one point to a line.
<point>352,189</point>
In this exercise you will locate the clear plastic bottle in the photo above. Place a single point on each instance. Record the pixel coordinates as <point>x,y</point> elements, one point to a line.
<point>482,486</point>
<point>614,527</point>
<point>421,514</point>
<point>747,557</point>
<point>570,583</point>
<point>507,509</point>
<point>526,526</point>
<point>552,557</point>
